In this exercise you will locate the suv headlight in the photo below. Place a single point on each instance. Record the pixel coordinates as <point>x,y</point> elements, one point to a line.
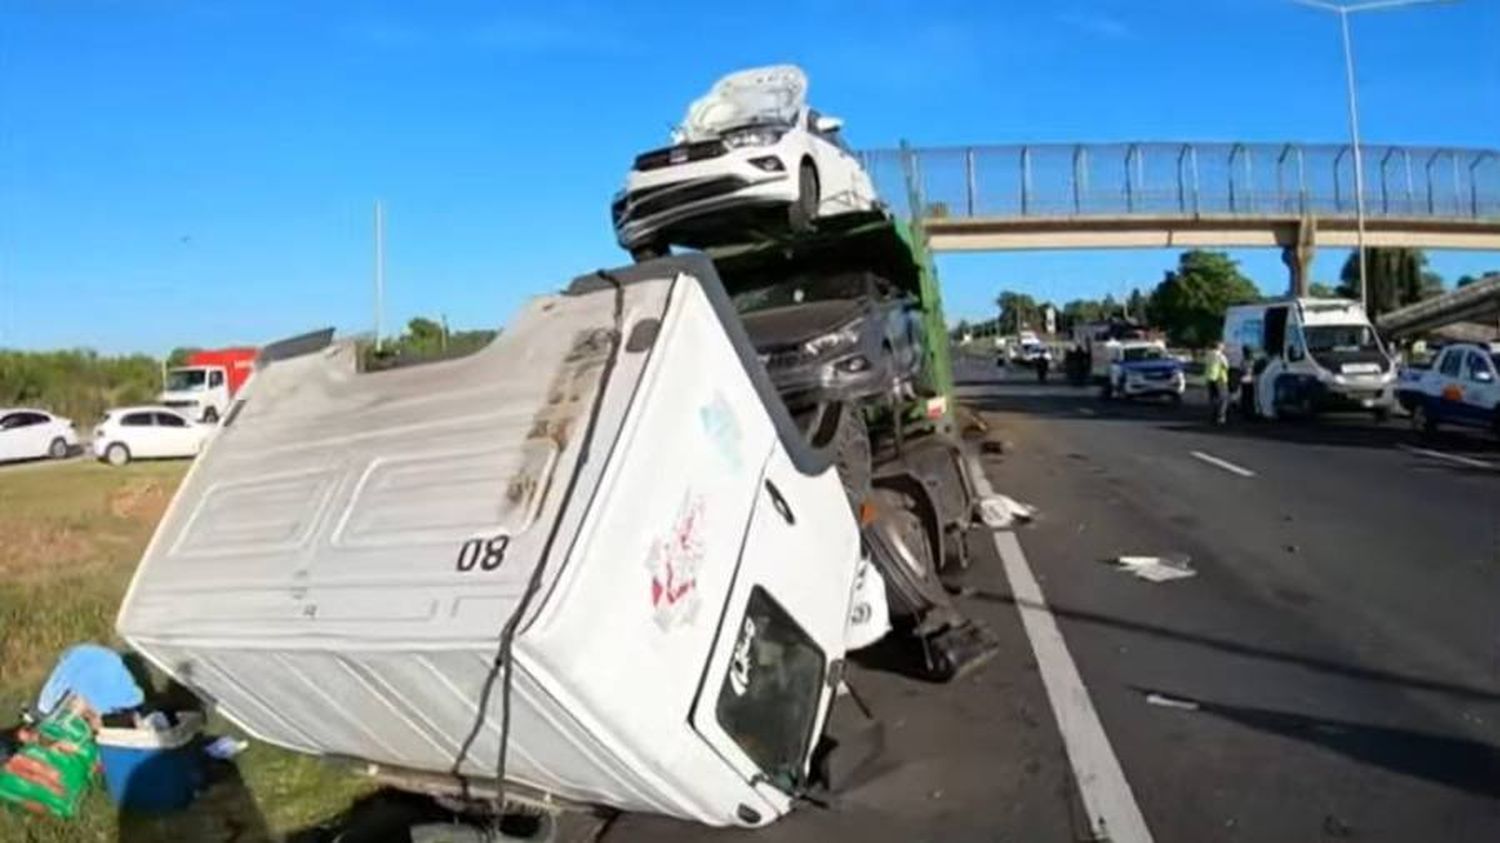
<point>844,337</point>
<point>756,136</point>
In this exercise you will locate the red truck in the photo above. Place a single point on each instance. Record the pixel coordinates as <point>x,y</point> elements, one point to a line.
<point>204,387</point>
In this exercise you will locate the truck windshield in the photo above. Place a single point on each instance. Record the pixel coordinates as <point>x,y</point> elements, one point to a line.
<point>1340,338</point>
<point>769,700</point>
<point>801,289</point>
<point>1132,355</point>
<point>185,380</point>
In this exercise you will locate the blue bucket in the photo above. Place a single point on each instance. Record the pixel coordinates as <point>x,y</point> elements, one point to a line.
<point>151,770</point>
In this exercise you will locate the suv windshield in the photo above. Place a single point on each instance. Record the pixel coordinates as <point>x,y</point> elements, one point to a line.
<point>1340,338</point>
<point>183,380</point>
<point>802,289</point>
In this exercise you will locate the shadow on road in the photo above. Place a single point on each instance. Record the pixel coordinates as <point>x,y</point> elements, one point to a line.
<point>1452,762</point>
<point>1235,647</point>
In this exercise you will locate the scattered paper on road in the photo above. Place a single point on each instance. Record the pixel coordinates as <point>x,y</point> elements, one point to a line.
<point>1157,568</point>
<point>999,512</point>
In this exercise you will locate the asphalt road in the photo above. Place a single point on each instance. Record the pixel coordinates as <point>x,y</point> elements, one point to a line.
<point>1334,661</point>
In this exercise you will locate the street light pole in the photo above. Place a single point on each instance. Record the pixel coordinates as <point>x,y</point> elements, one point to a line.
<point>1343,12</point>
<point>1359,163</point>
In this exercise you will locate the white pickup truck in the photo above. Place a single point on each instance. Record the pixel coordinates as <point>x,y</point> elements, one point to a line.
<point>1462,387</point>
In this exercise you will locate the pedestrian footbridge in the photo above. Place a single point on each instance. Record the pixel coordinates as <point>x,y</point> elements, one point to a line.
<point>1188,195</point>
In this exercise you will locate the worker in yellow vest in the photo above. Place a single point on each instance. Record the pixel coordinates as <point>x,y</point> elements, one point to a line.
<point>1216,376</point>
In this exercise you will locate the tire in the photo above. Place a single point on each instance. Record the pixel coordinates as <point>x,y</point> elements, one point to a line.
<point>58,450</point>
<point>800,214</point>
<point>117,454</point>
<point>1381,414</point>
<point>914,588</point>
<point>842,430</point>
<point>1175,399</point>
<point>647,251</point>
<point>1421,420</point>
<point>211,416</point>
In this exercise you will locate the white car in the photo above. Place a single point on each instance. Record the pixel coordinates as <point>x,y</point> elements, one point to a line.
<point>749,155</point>
<point>32,434</point>
<point>132,433</point>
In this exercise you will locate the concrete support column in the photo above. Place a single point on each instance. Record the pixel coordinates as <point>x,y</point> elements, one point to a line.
<point>1298,256</point>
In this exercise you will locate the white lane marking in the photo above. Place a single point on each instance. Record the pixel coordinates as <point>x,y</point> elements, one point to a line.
<point>1114,814</point>
<point>1224,464</point>
<point>1087,411</point>
<point>1441,455</point>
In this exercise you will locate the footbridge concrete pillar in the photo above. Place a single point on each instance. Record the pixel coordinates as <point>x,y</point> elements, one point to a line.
<point>1298,256</point>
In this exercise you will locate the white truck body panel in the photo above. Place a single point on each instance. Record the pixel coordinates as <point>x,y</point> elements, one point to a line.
<point>337,567</point>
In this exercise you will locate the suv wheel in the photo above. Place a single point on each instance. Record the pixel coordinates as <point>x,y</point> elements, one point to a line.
<point>801,214</point>
<point>842,430</point>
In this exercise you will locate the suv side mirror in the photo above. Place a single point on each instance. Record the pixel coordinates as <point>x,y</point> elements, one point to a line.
<point>826,125</point>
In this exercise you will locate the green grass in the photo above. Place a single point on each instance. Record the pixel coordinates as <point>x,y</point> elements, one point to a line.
<point>70,538</point>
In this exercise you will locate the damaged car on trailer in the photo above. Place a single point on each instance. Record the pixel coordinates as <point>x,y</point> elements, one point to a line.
<point>750,156</point>
<point>595,563</point>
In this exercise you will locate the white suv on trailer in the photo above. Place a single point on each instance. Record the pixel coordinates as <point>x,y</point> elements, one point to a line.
<point>750,155</point>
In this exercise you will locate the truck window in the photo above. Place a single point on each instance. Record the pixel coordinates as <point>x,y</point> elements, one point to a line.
<point>182,380</point>
<point>769,700</point>
<point>215,378</point>
<point>1450,364</point>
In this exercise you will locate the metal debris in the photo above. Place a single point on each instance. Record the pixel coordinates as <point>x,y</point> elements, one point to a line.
<point>999,512</point>
<point>1171,702</point>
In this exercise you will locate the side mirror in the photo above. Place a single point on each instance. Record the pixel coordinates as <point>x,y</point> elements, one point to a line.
<point>826,125</point>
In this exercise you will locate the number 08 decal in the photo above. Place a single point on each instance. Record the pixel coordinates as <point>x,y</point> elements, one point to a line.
<point>482,554</point>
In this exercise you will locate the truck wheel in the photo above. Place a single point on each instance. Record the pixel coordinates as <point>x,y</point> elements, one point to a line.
<point>1421,422</point>
<point>801,214</point>
<point>117,454</point>
<point>211,416</point>
<point>900,510</point>
<point>842,430</point>
<point>58,449</point>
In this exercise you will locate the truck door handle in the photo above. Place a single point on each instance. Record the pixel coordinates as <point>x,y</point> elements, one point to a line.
<point>778,501</point>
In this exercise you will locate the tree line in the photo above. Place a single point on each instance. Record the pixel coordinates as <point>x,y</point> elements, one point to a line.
<point>81,384</point>
<point>1188,304</point>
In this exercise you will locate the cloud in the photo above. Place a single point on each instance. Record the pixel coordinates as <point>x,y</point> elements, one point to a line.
<point>1096,24</point>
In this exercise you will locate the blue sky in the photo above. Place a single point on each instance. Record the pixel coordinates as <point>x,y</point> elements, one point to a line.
<point>177,172</point>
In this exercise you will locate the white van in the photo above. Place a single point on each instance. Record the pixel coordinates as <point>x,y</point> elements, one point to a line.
<point>1308,356</point>
<point>597,548</point>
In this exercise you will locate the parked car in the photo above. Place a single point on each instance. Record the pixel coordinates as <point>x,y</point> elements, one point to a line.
<point>750,155</point>
<point>133,433</point>
<point>32,434</point>
<point>1140,368</point>
<point>1461,387</point>
<point>834,336</point>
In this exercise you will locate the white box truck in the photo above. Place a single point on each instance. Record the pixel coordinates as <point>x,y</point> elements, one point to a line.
<point>1308,356</point>
<point>594,560</point>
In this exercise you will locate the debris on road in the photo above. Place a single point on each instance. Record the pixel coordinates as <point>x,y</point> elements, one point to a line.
<point>999,512</point>
<point>1171,702</point>
<point>1157,568</point>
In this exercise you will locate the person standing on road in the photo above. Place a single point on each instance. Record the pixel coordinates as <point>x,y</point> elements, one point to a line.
<point>1216,376</point>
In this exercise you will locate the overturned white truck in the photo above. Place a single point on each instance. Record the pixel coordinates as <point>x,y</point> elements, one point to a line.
<point>595,560</point>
